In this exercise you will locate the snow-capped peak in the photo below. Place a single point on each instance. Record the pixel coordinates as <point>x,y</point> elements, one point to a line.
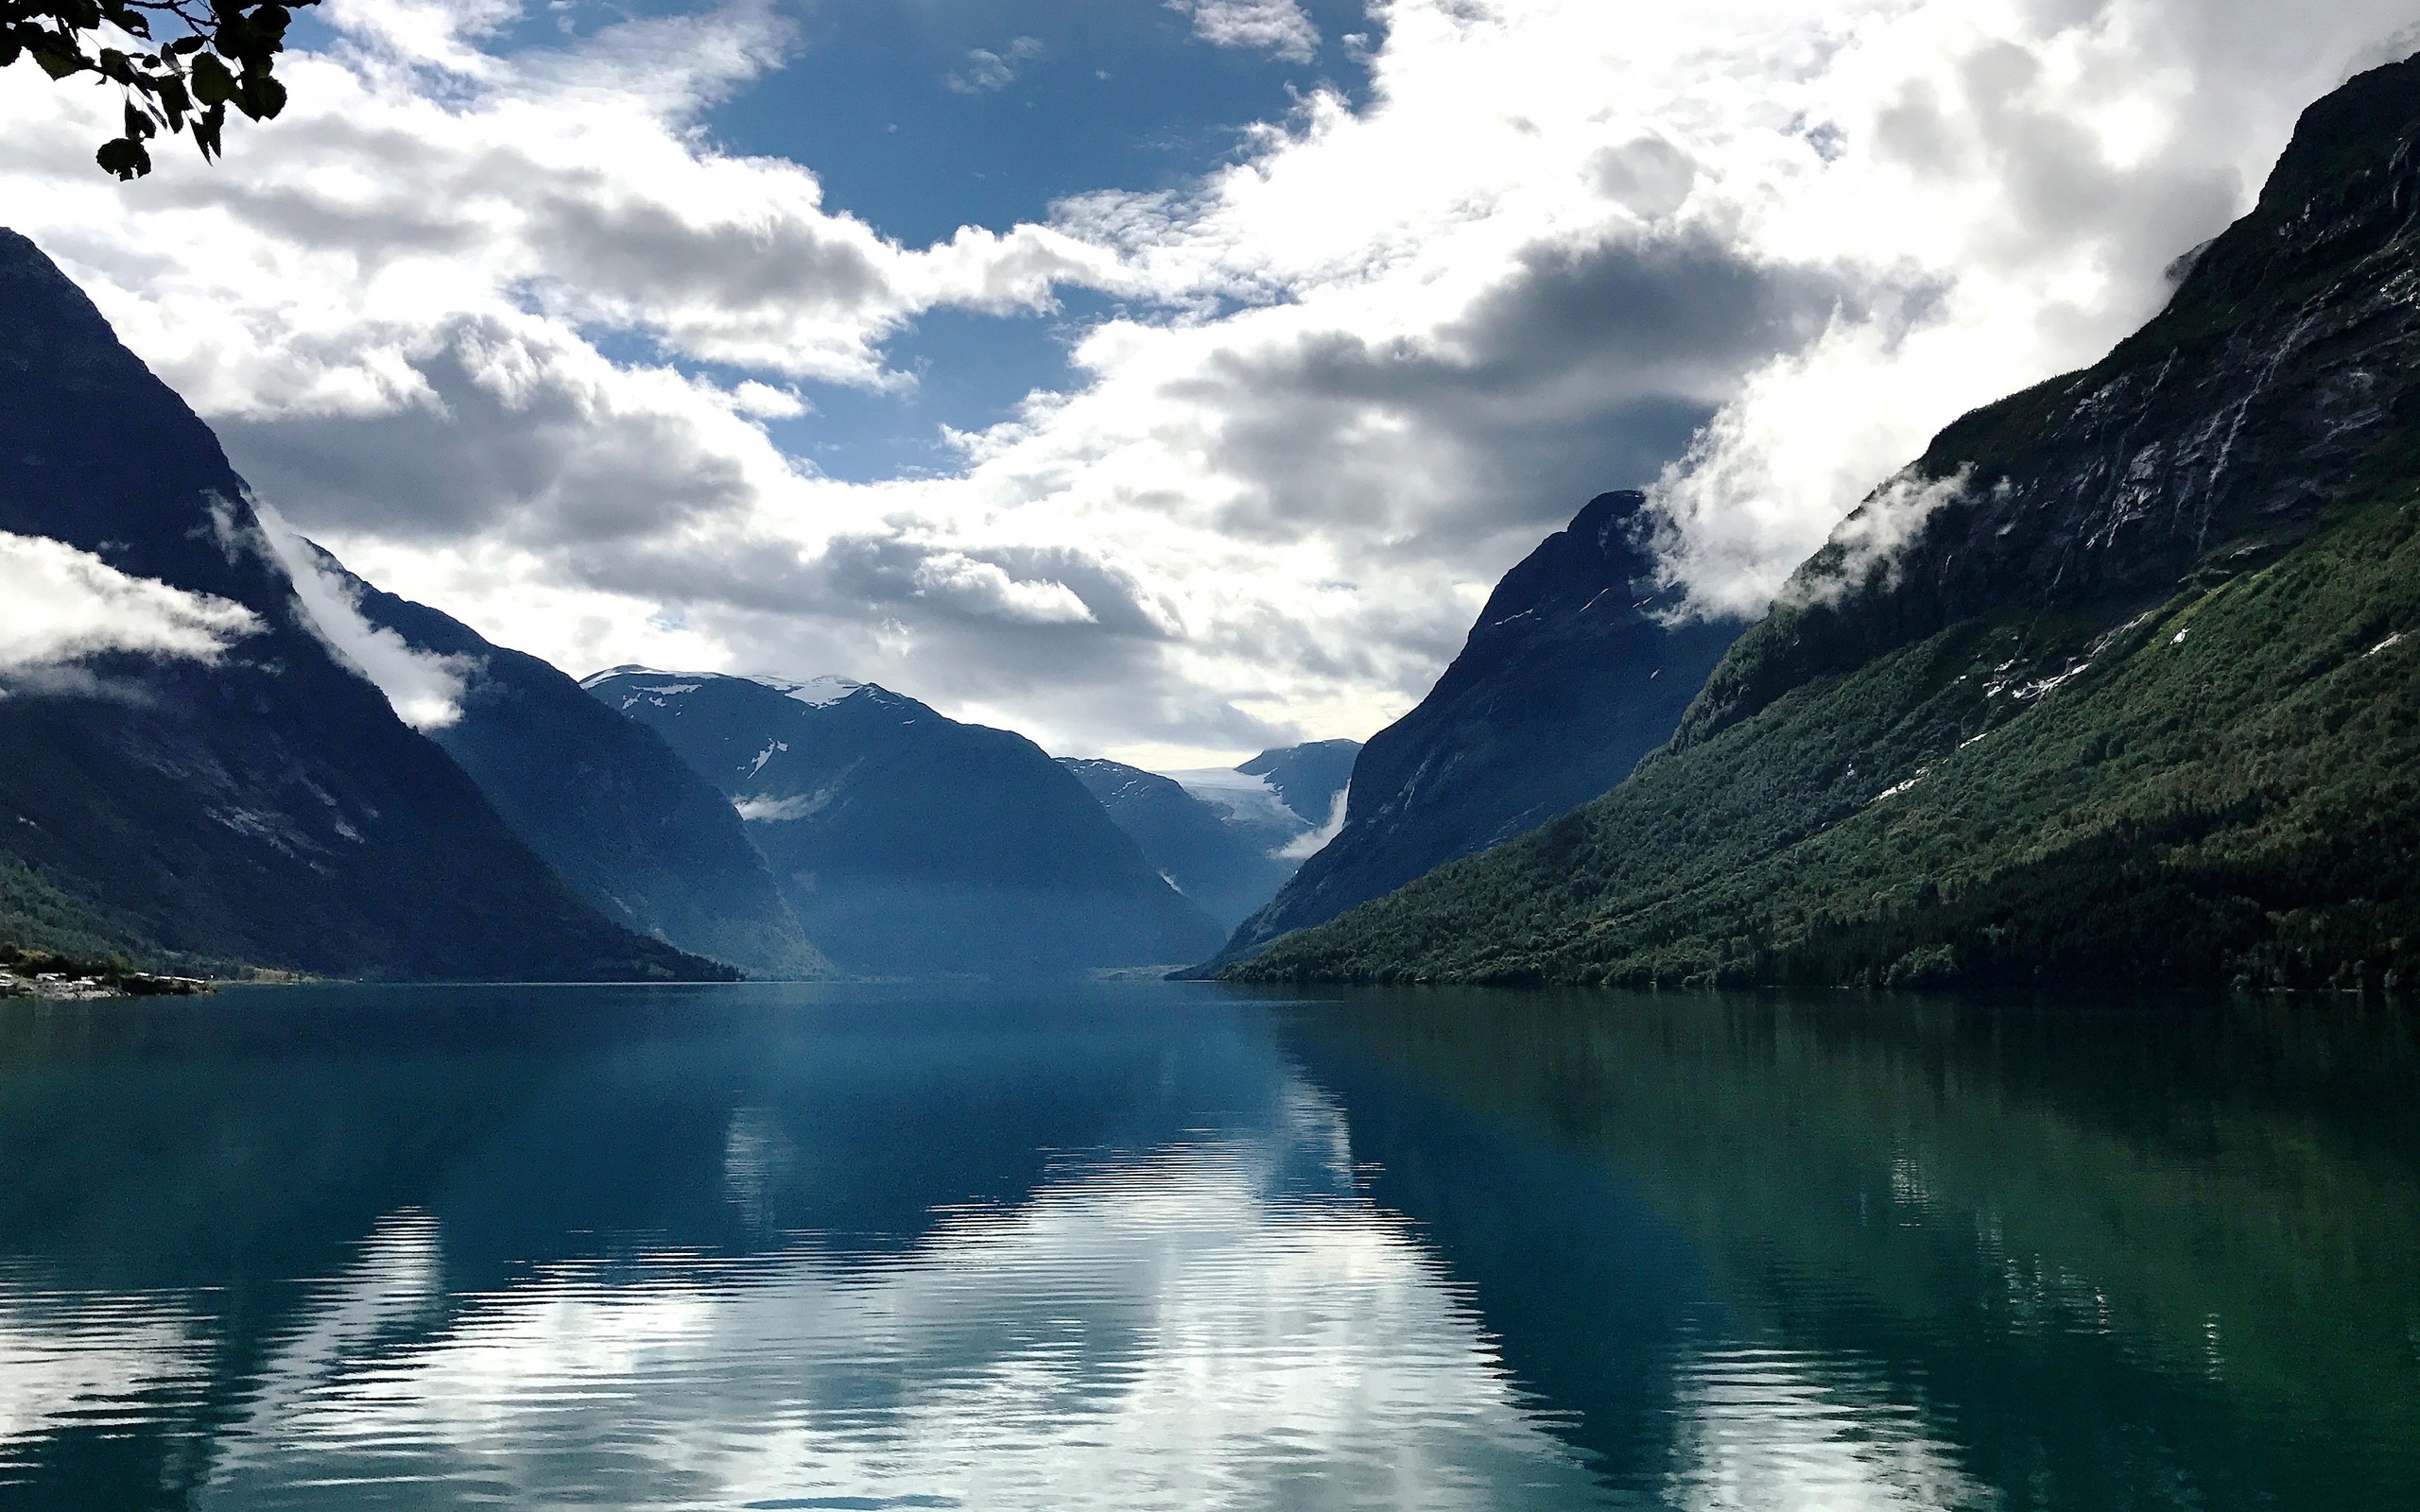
<point>627,669</point>
<point>816,693</point>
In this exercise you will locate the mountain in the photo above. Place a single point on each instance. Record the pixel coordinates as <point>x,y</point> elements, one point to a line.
<point>648,842</point>
<point>1307,779</point>
<point>1569,676</point>
<point>268,807</point>
<point>907,842</point>
<point>2136,700</point>
<point>1286,799</point>
<point>1228,866</point>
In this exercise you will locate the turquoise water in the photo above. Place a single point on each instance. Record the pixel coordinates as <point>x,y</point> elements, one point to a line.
<point>1170,1247</point>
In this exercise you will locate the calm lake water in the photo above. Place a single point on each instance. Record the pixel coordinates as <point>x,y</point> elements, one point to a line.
<point>1158,1246</point>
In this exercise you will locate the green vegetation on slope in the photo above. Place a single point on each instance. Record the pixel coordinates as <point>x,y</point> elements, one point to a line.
<point>2224,789</point>
<point>37,917</point>
<point>2133,702</point>
<point>2228,788</point>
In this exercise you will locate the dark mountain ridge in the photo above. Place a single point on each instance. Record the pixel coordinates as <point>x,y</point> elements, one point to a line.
<point>1570,676</point>
<point>647,842</point>
<point>907,842</point>
<point>270,807</point>
<point>2135,702</point>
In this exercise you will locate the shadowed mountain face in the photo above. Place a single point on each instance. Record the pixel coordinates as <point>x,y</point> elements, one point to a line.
<point>907,842</point>
<point>2136,700</point>
<point>1227,869</point>
<point>1307,779</point>
<point>644,838</point>
<point>1568,678</point>
<point>270,807</point>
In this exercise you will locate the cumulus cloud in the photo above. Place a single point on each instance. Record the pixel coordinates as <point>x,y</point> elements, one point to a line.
<point>1751,252</point>
<point>64,604</point>
<point>1277,27</point>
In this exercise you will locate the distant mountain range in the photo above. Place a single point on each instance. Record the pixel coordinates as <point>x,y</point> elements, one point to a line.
<point>266,808</point>
<point>1226,839</point>
<point>908,842</point>
<point>646,839</point>
<point>2116,685</point>
<point>1580,664</point>
<point>2137,701</point>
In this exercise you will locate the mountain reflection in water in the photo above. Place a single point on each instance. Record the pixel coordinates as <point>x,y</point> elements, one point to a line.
<point>1156,1246</point>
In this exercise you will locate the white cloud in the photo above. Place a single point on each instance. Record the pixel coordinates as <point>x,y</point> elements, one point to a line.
<point>1209,1333</point>
<point>426,691</point>
<point>64,604</point>
<point>987,72</point>
<point>1362,370</point>
<point>1277,27</point>
<point>1311,842</point>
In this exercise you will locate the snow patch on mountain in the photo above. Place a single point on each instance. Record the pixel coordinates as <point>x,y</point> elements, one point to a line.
<point>816,693</point>
<point>1248,799</point>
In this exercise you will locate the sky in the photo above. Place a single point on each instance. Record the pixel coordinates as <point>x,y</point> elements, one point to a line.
<point>1166,379</point>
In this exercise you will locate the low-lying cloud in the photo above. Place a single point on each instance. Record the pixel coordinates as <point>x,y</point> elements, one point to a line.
<point>424,690</point>
<point>64,606</point>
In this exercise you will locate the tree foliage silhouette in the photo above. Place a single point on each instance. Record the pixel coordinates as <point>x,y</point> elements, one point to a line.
<point>178,63</point>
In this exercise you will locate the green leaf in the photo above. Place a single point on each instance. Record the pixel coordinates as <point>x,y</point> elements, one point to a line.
<point>190,43</point>
<point>211,84</point>
<point>124,157</point>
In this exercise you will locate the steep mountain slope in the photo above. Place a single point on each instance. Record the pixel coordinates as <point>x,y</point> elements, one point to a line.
<point>908,842</point>
<point>1308,777</point>
<point>1283,798</point>
<point>268,808</point>
<point>1227,868</point>
<point>2137,699</point>
<point>644,838</point>
<point>1567,678</point>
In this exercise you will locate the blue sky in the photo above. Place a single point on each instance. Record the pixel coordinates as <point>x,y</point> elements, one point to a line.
<point>921,116</point>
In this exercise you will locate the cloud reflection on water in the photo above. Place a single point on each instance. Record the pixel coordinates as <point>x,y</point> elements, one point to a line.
<point>1168,1330</point>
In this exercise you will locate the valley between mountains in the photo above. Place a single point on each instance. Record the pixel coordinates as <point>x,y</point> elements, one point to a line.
<point>2119,682</point>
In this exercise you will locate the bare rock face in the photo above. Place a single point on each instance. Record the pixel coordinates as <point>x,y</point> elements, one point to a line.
<point>2276,382</point>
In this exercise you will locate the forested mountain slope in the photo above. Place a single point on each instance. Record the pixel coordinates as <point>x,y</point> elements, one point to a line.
<point>2138,700</point>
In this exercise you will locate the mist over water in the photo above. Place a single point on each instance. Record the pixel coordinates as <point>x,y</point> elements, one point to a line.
<point>1161,1246</point>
